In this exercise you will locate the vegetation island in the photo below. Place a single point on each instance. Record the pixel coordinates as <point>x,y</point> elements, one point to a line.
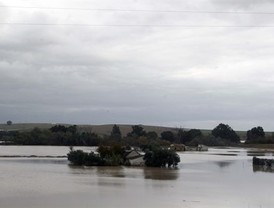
<point>155,156</point>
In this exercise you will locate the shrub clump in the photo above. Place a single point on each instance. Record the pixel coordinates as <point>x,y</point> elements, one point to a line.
<point>107,156</point>
<point>79,157</point>
<point>161,157</point>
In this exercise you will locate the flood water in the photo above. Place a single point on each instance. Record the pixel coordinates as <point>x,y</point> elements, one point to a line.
<point>223,178</point>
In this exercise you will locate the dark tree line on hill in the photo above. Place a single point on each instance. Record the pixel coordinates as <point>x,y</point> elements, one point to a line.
<point>221,135</point>
<point>57,135</point>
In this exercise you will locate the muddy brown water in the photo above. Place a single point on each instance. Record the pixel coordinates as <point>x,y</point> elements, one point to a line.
<point>221,177</point>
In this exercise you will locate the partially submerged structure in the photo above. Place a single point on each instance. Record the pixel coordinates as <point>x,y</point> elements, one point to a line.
<point>134,158</point>
<point>202,147</point>
<point>178,147</point>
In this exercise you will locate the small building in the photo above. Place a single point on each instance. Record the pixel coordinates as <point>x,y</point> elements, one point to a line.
<point>202,147</point>
<point>135,158</point>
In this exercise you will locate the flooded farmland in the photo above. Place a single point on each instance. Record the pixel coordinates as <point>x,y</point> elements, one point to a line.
<point>221,177</point>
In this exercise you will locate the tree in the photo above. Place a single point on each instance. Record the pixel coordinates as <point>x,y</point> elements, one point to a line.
<point>224,131</point>
<point>152,135</point>
<point>255,133</point>
<point>181,136</point>
<point>137,131</point>
<point>61,128</point>
<point>112,155</point>
<point>159,157</point>
<point>187,136</point>
<point>194,133</point>
<point>79,157</point>
<point>72,129</point>
<point>168,135</point>
<point>58,128</point>
<point>9,123</point>
<point>116,133</point>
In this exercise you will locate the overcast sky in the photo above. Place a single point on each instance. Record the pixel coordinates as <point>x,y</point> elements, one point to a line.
<point>171,76</point>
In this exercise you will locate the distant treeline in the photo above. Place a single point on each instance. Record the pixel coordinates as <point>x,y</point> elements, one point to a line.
<point>221,135</point>
<point>57,135</point>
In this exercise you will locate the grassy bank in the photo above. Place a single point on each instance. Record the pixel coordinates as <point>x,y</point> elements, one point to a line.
<point>259,146</point>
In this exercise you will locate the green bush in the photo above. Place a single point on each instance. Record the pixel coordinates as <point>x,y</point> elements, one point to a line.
<point>113,155</point>
<point>79,157</point>
<point>161,157</point>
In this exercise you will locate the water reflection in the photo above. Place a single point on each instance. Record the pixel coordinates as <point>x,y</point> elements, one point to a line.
<point>111,171</point>
<point>224,164</point>
<point>261,168</point>
<point>160,173</point>
<point>34,161</point>
<point>110,177</point>
<point>127,172</point>
<point>80,170</point>
<point>225,154</point>
<point>104,182</point>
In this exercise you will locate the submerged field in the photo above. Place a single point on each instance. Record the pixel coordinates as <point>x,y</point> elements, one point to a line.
<point>217,178</point>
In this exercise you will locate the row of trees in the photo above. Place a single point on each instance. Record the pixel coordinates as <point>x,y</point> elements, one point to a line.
<point>222,134</point>
<point>254,135</point>
<point>57,135</point>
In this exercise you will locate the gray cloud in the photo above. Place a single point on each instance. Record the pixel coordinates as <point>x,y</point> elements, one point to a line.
<point>190,77</point>
<point>243,4</point>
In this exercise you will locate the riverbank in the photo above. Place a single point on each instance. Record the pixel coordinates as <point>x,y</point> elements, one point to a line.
<point>257,146</point>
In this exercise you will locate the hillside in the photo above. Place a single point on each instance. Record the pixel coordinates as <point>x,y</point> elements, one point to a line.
<point>101,129</point>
